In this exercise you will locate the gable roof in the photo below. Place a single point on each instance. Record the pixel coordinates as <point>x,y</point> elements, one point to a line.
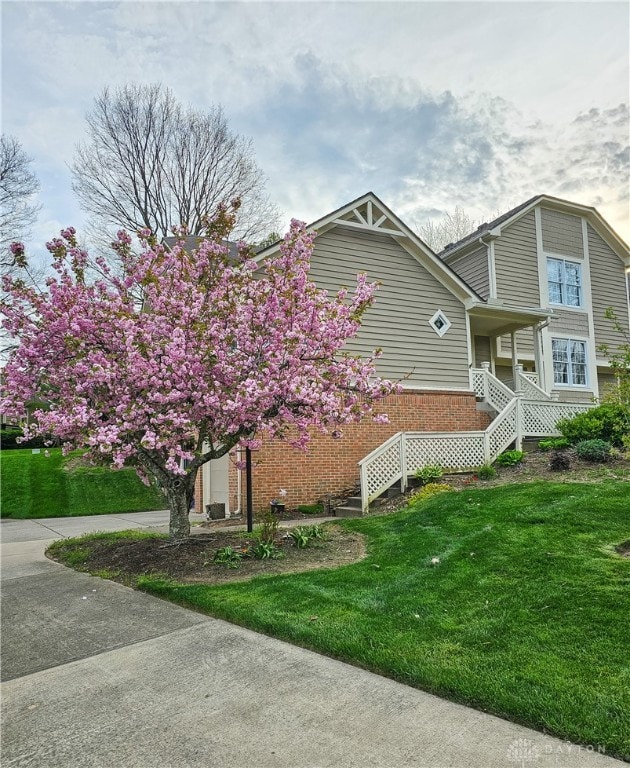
<point>565,206</point>
<point>369,213</point>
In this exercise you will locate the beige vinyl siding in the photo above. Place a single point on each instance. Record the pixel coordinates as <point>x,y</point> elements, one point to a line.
<point>574,395</point>
<point>562,233</point>
<point>606,381</point>
<point>569,322</point>
<point>524,344</point>
<point>482,350</point>
<point>398,321</point>
<point>473,268</point>
<point>608,289</point>
<point>505,374</point>
<point>516,263</point>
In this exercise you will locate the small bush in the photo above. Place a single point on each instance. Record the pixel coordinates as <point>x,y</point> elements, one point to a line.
<point>559,461</point>
<point>228,556</point>
<point>429,474</point>
<point>300,536</point>
<point>9,439</point>
<point>609,421</point>
<point>554,444</point>
<point>429,490</point>
<point>268,529</point>
<point>486,472</point>
<point>593,450</point>
<point>509,458</point>
<point>264,551</point>
<point>315,531</point>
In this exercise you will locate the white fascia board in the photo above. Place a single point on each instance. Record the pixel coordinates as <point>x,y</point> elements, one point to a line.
<point>407,239</point>
<point>597,221</point>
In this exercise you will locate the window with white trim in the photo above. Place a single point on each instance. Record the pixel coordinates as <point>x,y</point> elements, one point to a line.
<point>569,362</point>
<point>440,323</point>
<point>564,280</point>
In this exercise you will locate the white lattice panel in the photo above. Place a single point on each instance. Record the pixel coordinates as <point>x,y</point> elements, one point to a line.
<point>502,431</point>
<point>478,380</point>
<point>498,394</point>
<point>383,469</point>
<point>530,389</point>
<point>533,377</point>
<point>539,418</point>
<point>450,452</point>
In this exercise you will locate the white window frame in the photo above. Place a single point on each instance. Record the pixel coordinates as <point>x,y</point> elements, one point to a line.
<point>570,384</point>
<point>447,323</point>
<point>563,284</point>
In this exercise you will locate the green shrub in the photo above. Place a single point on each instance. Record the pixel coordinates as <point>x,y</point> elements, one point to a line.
<point>9,439</point>
<point>593,450</point>
<point>300,537</point>
<point>554,444</point>
<point>228,556</point>
<point>486,472</point>
<point>509,458</point>
<point>429,474</point>
<point>429,490</point>
<point>315,531</point>
<point>268,529</point>
<point>264,551</point>
<point>608,421</point>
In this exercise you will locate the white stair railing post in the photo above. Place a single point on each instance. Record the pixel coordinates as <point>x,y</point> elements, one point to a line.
<point>364,489</point>
<point>403,462</point>
<point>520,427</point>
<point>486,370</point>
<point>486,447</point>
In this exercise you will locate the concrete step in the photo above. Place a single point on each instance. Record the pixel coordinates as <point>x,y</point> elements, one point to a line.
<point>346,511</point>
<point>353,501</point>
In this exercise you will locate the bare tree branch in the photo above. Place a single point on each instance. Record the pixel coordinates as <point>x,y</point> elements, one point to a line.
<point>18,186</point>
<point>151,163</point>
<point>437,234</point>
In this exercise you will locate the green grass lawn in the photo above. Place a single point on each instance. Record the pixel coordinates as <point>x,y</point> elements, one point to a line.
<point>526,615</point>
<point>34,485</point>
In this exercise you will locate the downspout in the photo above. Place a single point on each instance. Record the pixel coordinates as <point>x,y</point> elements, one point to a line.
<point>540,357</point>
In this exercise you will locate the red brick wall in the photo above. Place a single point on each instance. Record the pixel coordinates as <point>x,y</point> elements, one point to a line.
<point>330,466</point>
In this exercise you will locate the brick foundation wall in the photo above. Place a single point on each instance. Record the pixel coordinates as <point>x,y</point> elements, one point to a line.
<point>330,466</point>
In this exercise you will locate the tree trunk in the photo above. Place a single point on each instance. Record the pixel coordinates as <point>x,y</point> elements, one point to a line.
<point>179,494</point>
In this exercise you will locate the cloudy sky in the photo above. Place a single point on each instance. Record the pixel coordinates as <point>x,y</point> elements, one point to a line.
<point>428,104</point>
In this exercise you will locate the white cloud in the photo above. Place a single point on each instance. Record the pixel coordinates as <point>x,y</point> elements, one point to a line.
<point>431,105</point>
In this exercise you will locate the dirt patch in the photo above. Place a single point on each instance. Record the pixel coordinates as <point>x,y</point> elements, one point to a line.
<point>623,549</point>
<point>193,561</point>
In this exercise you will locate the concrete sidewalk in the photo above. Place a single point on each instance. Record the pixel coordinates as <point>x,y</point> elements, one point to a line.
<point>102,676</point>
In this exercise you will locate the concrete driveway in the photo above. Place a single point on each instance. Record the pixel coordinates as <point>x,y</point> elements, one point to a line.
<point>99,676</point>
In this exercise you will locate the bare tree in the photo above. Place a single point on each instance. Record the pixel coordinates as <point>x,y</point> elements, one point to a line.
<point>18,186</point>
<point>437,234</point>
<point>151,163</point>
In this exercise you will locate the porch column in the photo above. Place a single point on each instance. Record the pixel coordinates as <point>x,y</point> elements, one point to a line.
<point>538,356</point>
<point>514,356</point>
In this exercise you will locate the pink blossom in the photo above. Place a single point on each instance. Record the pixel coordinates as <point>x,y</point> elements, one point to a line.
<point>212,359</point>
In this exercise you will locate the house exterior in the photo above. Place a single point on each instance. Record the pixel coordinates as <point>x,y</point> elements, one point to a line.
<point>493,340</point>
<point>559,256</point>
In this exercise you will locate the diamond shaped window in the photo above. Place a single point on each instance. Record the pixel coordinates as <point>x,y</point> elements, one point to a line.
<point>440,323</point>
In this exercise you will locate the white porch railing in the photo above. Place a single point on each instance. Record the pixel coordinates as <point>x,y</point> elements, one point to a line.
<point>527,384</point>
<point>518,417</point>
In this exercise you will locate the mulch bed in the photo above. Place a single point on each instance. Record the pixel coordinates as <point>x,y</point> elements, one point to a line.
<point>193,561</point>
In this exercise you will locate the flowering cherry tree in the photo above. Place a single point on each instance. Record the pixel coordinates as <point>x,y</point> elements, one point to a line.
<point>215,353</point>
